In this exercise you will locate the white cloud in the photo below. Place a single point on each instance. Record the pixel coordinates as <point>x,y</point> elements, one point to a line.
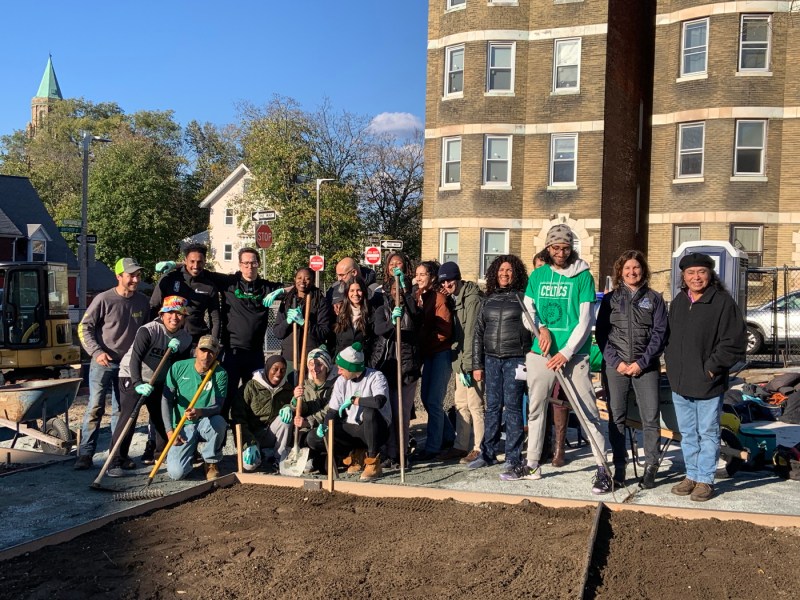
<point>397,123</point>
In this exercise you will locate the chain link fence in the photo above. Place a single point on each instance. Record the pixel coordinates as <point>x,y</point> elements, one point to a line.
<point>773,315</point>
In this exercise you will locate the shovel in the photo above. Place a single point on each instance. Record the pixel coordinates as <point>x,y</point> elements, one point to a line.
<point>294,464</point>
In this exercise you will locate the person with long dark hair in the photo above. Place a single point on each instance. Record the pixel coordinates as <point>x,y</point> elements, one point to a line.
<point>631,332</point>
<point>498,357</point>
<point>354,321</point>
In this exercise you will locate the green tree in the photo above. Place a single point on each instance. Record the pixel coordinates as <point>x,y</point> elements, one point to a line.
<point>214,152</point>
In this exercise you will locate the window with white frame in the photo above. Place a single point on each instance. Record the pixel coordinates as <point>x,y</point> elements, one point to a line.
<point>494,243</point>
<point>227,251</point>
<point>563,159</point>
<point>449,246</point>
<point>754,40</point>
<point>691,139</point>
<point>451,4</point>
<point>497,162</point>
<point>451,161</point>
<point>749,238</point>
<point>454,70</point>
<point>750,146</point>
<point>694,49</point>
<point>500,67</point>
<point>567,64</point>
<point>685,233</point>
<point>228,216</point>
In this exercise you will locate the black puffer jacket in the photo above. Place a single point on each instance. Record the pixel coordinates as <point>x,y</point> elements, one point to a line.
<point>632,327</point>
<point>499,330</point>
<point>384,356</point>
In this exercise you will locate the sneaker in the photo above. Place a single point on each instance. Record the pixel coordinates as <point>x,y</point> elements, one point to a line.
<point>684,488</point>
<point>478,463</point>
<point>648,481</point>
<point>390,463</point>
<point>522,471</point>
<point>602,483</point>
<point>126,464</point>
<point>702,492</point>
<point>212,471</point>
<point>470,457</point>
<point>619,476</point>
<point>115,472</point>
<point>451,454</point>
<point>197,459</point>
<point>83,463</point>
<point>533,473</point>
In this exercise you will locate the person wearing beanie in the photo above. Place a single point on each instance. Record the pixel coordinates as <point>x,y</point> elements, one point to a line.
<point>315,392</point>
<point>560,298</point>
<point>360,414</point>
<point>707,336</point>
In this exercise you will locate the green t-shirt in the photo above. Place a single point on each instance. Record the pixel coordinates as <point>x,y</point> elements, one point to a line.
<point>558,299</point>
<point>182,383</point>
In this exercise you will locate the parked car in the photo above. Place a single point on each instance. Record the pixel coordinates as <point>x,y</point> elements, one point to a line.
<point>760,320</point>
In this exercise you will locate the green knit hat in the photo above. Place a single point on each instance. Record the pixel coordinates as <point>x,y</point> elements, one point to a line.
<point>351,358</point>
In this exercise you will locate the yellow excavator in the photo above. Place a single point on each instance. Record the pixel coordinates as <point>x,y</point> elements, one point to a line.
<point>35,332</point>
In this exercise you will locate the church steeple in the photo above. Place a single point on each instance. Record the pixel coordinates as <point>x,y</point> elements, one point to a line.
<point>49,91</point>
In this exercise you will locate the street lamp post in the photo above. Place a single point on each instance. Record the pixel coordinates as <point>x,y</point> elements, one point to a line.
<point>316,237</point>
<point>83,248</point>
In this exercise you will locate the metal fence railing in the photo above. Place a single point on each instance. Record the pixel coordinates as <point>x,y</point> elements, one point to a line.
<point>773,315</point>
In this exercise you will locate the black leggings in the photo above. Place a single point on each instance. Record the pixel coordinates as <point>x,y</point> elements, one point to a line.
<point>127,402</point>
<point>371,433</point>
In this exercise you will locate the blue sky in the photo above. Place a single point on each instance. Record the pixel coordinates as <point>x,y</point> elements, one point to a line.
<point>200,58</point>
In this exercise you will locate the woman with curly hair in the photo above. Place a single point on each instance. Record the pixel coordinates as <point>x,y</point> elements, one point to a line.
<point>395,260</point>
<point>354,321</point>
<point>498,355</point>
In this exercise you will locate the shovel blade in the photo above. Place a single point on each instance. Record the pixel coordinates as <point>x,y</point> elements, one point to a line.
<point>295,463</point>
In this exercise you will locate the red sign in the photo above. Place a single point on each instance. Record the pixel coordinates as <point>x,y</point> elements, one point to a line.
<point>372,254</point>
<point>316,262</point>
<point>263,236</point>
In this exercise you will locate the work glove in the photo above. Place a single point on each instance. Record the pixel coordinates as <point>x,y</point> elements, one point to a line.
<point>321,429</point>
<point>174,345</point>
<point>466,379</point>
<point>294,402</point>
<point>397,313</point>
<point>295,315</point>
<point>345,405</point>
<point>144,389</point>
<point>270,298</point>
<point>399,273</point>
<point>285,415</point>
<point>165,266</point>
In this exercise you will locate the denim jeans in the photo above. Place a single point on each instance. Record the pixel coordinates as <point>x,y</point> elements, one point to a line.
<point>699,424</point>
<point>209,430</point>
<point>101,381</point>
<point>503,395</point>
<point>435,377</point>
<point>646,388</point>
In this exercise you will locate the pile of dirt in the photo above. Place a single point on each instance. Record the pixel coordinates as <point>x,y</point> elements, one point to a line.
<point>261,542</point>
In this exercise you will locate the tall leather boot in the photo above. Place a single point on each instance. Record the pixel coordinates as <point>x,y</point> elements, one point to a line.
<point>560,419</point>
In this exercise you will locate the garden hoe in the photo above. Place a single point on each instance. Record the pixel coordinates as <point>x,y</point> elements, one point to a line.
<point>146,493</point>
<point>294,464</point>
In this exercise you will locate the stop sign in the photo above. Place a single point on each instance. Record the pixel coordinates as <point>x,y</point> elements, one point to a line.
<point>316,262</point>
<point>263,236</point>
<point>372,254</point>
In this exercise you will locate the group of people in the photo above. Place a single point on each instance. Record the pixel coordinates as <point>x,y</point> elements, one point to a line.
<point>528,335</point>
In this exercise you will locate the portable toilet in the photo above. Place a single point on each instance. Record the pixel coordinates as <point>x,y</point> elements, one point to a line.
<point>729,263</point>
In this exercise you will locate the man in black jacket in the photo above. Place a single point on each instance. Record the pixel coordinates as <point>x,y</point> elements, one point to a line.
<point>707,337</point>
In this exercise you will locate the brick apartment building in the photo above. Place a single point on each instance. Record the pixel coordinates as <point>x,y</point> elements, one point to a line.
<point>639,123</point>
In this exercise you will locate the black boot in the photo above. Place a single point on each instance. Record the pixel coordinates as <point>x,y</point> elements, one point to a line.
<point>619,476</point>
<point>649,479</point>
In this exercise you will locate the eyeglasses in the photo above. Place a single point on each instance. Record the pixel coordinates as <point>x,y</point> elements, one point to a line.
<point>253,263</point>
<point>561,250</point>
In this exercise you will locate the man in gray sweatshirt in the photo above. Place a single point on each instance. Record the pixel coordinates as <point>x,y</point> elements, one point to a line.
<point>106,331</point>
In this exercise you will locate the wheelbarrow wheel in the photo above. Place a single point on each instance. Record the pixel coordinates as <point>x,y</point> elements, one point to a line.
<point>57,428</point>
<point>730,464</point>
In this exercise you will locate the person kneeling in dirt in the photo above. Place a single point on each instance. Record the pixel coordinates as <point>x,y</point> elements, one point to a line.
<point>263,410</point>
<point>204,423</point>
<point>360,414</point>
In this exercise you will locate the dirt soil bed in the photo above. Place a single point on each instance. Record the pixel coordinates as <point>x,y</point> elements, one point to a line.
<point>648,557</point>
<point>262,542</point>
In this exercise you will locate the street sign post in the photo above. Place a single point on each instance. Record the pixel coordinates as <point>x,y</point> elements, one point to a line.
<point>392,244</point>
<point>70,222</point>
<point>69,229</point>
<point>264,215</point>
<point>316,262</point>
<point>263,236</point>
<point>312,247</point>
<point>372,254</point>
<point>91,238</point>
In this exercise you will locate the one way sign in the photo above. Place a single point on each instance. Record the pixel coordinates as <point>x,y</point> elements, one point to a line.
<point>392,244</point>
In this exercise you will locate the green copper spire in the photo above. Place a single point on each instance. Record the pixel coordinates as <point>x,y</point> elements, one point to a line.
<point>49,87</point>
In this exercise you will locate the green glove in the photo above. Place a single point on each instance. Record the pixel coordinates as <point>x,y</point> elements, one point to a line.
<point>345,405</point>
<point>295,315</point>
<point>397,313</point>
<point>285,414</point>
<point>165,266</point>
<point>399,272</point>
<point>174,345</point>
<point>466,379</point>
<point>321,429</point>
<point>144,389</point>
<point>294,403</point>
<point>270,298</point>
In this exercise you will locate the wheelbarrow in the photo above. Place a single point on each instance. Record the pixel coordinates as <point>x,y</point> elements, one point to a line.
<point>34,409</point>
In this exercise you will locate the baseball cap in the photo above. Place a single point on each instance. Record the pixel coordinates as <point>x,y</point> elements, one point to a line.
<point>174,304</point>
<point>207,342</point>
<point>126,265</point>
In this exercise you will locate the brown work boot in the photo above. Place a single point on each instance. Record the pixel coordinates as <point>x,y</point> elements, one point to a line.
<point>212,471</point>
<point>355,460</point>
<point>560,419</point>
<point>684,488</point>
<point>470,457</point>
<point>702,492</point>
<point>451,454</point>
<point>372,468</point>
